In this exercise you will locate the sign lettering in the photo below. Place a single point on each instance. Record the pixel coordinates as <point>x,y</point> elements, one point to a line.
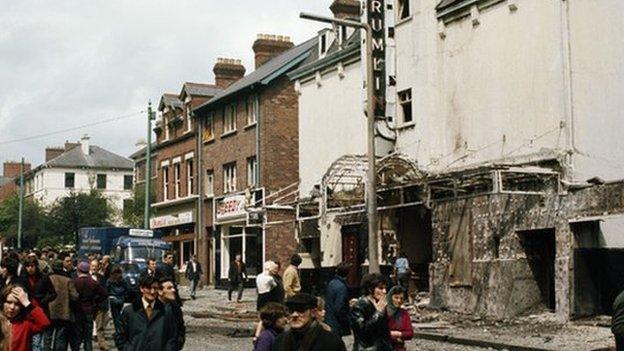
<point>376,20</point>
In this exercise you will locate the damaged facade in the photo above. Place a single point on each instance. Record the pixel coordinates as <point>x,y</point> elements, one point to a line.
<point>499,186</point>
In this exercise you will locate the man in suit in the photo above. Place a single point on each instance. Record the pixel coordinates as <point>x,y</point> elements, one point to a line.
<point>147,324</point>
<point>193,273</point>
<point>237,275</point>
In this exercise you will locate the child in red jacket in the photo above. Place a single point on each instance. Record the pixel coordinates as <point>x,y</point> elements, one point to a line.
<point>399,321</point>
<point>26,319</point>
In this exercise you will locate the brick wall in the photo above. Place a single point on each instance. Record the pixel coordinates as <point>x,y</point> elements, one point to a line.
<point>12,169</point>
<point>280,236</point>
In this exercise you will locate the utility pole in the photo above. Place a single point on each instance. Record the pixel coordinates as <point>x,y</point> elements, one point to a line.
<point>21,206</point>
<point>148,166</point>
<point>371,173</point>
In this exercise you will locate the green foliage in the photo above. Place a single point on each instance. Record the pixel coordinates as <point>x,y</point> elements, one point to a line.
<point>35,221</point>
<point>133,209</point>
<point>78,210</point>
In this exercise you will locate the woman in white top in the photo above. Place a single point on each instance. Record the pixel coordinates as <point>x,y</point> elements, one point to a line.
<point>265,283</point>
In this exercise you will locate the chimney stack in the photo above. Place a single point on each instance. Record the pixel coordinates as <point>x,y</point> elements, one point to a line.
<point>346,9</point>
<point>268,46</point>
<point>53,152</point>
<point>84,144</point>
<point>12,169</point>
<point>69,146</point>
<point>227,71</point>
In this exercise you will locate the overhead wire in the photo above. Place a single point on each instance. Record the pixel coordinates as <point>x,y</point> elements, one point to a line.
<point>43,135</point>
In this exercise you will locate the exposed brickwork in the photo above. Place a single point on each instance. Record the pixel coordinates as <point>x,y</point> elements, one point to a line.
<point>12,169</point>
<point>267,47</point>
<point>280,239</point>
<point>227,71</point>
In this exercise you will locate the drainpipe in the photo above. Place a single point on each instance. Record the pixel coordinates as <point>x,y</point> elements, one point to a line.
<point>200,241</point>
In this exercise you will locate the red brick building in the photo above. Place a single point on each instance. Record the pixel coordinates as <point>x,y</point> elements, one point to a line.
<point>10,174</point>
<point>250,158</point>
<point>175,209</point>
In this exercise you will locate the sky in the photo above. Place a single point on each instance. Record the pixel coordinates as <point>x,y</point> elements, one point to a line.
<point>69,63</point>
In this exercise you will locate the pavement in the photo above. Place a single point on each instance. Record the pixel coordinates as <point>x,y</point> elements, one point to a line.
<point>212,318</point>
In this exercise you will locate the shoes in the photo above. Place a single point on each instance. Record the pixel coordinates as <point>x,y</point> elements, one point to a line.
<point>192,297</point>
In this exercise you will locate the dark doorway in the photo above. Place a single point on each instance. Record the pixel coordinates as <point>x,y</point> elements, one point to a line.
<point>350,253</point>
<point>415,239</point>
<point>540,248</point>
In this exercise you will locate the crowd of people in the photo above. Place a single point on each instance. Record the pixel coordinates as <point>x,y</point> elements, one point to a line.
<point>55,301</point>
<point>292,320</point>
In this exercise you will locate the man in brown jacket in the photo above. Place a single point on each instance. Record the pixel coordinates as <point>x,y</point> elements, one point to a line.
<point>61,314</point>
<point>292,283</point>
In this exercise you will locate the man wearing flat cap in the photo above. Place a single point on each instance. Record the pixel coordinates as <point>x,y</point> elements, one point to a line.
<point>305,333</point>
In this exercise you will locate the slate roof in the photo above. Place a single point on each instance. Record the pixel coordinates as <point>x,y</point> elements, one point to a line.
<point>200,89</point>
<point>97,158</point>
<point>334,54</point>
<point>265,73</point>
<point>169,99</point>
<point>141,152</point>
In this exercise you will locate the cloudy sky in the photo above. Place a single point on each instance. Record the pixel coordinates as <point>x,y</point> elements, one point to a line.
<point>68,63</point>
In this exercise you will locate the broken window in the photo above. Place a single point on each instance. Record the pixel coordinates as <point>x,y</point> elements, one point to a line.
<point>405,103</point>
<point>404,9</point>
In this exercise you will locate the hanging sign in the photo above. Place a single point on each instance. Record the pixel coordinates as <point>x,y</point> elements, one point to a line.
<point>376,19</point>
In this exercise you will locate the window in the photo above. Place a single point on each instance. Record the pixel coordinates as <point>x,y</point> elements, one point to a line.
<point>252,171</point>
<point>165,177</point>
<point>127,182</point>
<point>404,9</point>
<point>343,35</point>
<point>189,118</point>
<point>176,179</point>
<point>69,180</point>
<point>251,111</point>
<point>229,119</point>
<point>405,103</point>
<point>189,176</point>
<point>166,126</point>
<point>209,182</point>
<point>101,181</point>
<point>208,128</point>
<point>229,177</point>
<point>323,44</point>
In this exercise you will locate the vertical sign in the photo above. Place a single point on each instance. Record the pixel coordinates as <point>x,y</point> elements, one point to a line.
<point>375,16</point>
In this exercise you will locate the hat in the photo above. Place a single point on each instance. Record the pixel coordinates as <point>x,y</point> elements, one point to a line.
<point>301,302</point>
<point>84,267</point>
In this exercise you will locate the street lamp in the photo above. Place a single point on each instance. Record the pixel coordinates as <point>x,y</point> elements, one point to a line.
<point>148,166</point>
<point>371,186</point>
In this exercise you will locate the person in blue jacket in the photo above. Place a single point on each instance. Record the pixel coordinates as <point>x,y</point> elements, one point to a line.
<point>337,301</point>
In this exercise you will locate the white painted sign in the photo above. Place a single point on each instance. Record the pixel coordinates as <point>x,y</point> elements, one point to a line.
<point>231,207</point>
<point>145,233</point>
<point>171,220</point>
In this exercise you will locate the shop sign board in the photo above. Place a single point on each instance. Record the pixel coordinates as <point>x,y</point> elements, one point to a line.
<point>171,220</point>
<point>231,207</point>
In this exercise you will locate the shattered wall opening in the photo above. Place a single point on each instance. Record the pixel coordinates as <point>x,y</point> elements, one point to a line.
<point>540,249</point>
<point>414,237</point>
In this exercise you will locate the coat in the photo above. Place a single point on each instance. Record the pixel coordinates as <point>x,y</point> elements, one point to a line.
<point>266,340</point>
<point>66,294</point>
<point>137,333</point>
<point>337,306</point>
<point>42,292</point>
<point>32,320</point>
<point>370,327</point>
<point>193,274</point>
<point>175,309</point>
<point>236,277</point>
<point>316,338</point>
<point>403,323</point>
<point>90,294</point>
<point>118,292</point>
<point>292,285</point>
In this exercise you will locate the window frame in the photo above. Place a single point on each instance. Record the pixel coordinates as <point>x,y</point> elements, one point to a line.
<point>190,176</point>
<point>209,188</point>
<point>405,97</point>
<point>98,178</point>
<point>229,177</point>
<point>177,179</point>
<point>229,119</point>
<point>125,177</point>
<point>208,132</point>
<point>252,171</point>
<point>250,105</point>
<point>73,180</point>
<point>401,7</point>
<point>165,176</point>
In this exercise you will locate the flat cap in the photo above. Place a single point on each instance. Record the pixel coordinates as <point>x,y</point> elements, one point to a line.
<point>301,301</point>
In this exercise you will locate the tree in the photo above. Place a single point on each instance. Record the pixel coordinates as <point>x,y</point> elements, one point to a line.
<point>34,226</point>
<point>134,207</point>
<point>79,210</point>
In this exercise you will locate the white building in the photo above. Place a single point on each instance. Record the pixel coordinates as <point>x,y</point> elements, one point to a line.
<point>81,167</point>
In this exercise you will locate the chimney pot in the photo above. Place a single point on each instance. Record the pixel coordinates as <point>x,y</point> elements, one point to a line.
<point>346,9</point>
<point>84,144</point>
<point>268,46</point>
<point>227,71</point>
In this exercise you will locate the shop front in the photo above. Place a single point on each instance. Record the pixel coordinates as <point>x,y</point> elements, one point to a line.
<point>178,228</point>
<point>237,230</point>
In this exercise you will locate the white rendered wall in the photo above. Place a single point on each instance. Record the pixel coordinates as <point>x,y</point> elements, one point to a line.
<point>331,123</point>
<point>500,89</point>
